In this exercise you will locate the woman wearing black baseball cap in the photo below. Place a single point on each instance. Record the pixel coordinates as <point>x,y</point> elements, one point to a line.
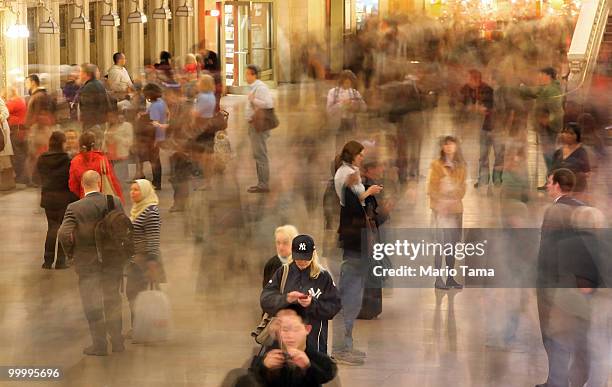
<point>306,284</point>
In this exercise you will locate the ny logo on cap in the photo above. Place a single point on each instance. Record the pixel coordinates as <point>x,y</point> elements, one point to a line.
<point>302,246</point>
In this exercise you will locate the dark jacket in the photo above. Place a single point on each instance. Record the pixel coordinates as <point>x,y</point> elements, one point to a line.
<point>94,103</point>
<point>322,369</point>
<point>41,109</point>
<point>76,234</point>
<point>325,301</point>
<point>556,227</point>
<point>482,95</point>
<point>353,221</point>
<point>54,170</point>
<point>272,265</point>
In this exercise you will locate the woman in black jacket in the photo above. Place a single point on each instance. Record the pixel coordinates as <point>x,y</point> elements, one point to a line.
<point>308,285</point>
<point>53,167</point>
<point>352,195</point>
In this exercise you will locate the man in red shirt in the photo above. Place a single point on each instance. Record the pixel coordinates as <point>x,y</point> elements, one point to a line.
<point>17,108</point>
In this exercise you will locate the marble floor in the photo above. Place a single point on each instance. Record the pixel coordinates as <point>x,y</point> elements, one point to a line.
<point>423,337</point>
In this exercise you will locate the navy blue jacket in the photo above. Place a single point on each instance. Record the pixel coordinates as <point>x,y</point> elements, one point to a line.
<point>325,300</point>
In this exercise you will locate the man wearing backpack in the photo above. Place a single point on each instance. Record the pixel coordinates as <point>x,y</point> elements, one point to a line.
<point>99,281</point>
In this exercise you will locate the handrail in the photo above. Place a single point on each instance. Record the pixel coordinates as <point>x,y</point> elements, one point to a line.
<point>586,41</point>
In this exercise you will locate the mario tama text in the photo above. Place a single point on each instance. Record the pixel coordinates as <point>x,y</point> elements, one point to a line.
<point>422,249</point>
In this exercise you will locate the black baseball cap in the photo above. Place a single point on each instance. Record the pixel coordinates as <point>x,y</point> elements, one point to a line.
<point>302,247</point>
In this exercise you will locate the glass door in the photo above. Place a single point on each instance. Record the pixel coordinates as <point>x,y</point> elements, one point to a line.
<point>261,38</point>
<point>246,37</point>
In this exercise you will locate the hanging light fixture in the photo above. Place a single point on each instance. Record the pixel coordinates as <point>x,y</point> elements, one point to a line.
<point>137,17</point>
<point>162,13</point>
<point>17,31</point>
<point>50,27</point>
<point>80,22</point>
<point>184,10</point>
<point>111,19</point>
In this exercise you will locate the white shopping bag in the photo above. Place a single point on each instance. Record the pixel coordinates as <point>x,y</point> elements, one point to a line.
<point>152,320</point>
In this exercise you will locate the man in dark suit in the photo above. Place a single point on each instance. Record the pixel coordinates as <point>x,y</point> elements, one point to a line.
<point>556,323</point>
<point>99,286</point>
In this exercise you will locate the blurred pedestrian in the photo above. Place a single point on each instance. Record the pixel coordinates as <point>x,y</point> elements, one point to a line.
<point>53,167</point>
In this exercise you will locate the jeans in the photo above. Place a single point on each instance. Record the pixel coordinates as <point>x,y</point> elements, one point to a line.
<point>54,220</point>
<point>20,157</point>
<point>448,230</point>
<point>101,301</point>
<point>548,139</point>
<point>121,168</point>
<point>350,287</point>
<point>488,140</point>
<point>260,154</point>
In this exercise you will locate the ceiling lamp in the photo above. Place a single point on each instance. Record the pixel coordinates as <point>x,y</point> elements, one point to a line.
<point>162,13</point>
<point>184,10</point>
<point>80,22</point>
<point>17,31</point>
<point>49,27</point>
<point>137,17</point>
<point>111,19</point>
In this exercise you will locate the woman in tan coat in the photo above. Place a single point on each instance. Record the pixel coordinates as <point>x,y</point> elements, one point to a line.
<point>446,189</point>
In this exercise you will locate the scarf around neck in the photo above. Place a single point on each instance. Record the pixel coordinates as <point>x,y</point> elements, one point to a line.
<point>149,198</point>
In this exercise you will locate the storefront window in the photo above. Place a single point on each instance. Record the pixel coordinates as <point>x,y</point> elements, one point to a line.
<point>363,10</point>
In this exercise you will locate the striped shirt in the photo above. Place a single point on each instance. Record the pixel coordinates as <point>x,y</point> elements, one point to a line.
<point>147,231</point>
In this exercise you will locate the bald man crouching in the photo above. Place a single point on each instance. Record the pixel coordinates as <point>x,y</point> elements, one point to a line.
<point>98,286</point>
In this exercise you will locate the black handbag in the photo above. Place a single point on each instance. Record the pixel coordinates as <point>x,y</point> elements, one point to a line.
<point>264,120</point>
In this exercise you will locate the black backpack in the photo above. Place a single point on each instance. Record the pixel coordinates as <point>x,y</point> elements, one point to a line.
<point>114,237</point>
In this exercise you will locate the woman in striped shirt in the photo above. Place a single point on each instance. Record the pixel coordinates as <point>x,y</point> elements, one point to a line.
<point>147,267</point>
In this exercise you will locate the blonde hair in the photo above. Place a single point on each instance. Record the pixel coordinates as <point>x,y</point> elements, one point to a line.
<point>206,84</point>
<point>190,58</point>
<point>315,266</point>
<point>287,230</point>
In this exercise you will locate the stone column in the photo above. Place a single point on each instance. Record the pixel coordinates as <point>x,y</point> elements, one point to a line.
<point>183,36</point>
<point>158,32</point>
<point>78,40</point>
<point>49,48</point>
<point>14,52</point>
<point>106,38</point>
<point>133,38</point>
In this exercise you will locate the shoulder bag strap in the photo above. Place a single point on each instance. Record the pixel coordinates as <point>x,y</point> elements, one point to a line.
<point>284,278</point>
<point>110,202</point>
<point>103,167</point>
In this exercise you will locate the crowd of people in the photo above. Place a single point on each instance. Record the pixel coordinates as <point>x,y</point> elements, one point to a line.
<point>397,71</point>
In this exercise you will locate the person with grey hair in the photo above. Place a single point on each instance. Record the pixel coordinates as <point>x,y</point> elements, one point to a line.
<point>259,98</point>
<point>94,102</point>
<point>98,286</point>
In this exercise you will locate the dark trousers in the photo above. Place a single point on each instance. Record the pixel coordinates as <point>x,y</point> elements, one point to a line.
<point>408,142</point>
<point>181,193</point>
<point>488,141</point>
<point>101,300</point>
<point>55,217</point>
<point>20,157</point>
<point>566,348</point>
<point>156,167</point>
